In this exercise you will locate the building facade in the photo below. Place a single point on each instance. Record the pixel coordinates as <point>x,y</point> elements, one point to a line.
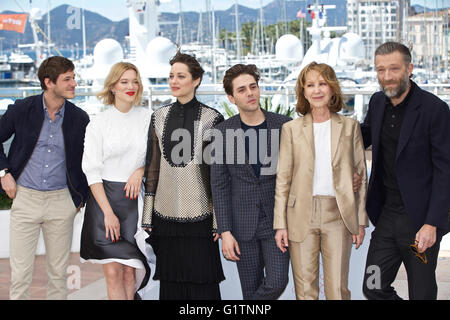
<point>377,21</point>
<point>428,36</point>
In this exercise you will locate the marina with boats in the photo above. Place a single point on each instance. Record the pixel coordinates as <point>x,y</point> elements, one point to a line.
<point>279,63</point>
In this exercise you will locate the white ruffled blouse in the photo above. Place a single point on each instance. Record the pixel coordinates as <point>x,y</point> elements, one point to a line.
<point>115,144</point>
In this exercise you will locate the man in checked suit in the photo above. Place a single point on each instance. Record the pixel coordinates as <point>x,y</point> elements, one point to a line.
<point>243,187</point>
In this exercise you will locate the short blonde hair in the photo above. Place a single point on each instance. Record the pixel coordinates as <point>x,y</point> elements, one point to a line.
<point>328,74</point>
<point>116,72</point>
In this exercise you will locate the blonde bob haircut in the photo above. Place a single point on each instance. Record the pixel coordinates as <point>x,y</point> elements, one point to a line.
<point>116,72</point>
<point>328,74</point>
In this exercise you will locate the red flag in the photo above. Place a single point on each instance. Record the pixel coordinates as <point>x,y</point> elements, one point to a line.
<point>312,15</point>
<point>13,22</point>
<point>300,14</point>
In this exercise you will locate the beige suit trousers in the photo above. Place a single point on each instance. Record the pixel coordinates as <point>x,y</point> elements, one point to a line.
<point>54,212</point>
<point>329,236</point>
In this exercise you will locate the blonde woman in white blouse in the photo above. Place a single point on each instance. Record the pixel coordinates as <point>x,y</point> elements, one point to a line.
<point>316,210</point>
<point>113,162</point>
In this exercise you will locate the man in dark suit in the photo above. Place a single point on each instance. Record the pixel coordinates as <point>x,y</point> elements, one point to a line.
<point>409,188</point>
<point>43,174</point>
<point>243,187</point>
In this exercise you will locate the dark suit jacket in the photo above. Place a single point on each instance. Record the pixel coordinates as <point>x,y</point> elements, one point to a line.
<point>24,119</point>
<point>422,161</point>
<point>238,194</point>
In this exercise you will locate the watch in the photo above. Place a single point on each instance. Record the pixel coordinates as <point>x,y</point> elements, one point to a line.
<point>4,172</point>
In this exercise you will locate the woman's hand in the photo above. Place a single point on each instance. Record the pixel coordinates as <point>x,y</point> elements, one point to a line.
<point>359,238</point>
<point>112,226</point>
<point>281,238</point>
<point>134,183</point>
<point>216,236</point>
<point>357,182</point>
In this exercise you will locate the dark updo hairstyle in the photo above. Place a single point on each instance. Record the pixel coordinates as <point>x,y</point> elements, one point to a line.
<point>194,67</point>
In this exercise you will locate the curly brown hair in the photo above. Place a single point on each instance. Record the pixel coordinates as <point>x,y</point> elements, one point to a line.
<point>235,71</point>
<point>328,74</point>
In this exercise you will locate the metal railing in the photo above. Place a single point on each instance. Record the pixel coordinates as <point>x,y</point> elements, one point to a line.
<point>286,90</point>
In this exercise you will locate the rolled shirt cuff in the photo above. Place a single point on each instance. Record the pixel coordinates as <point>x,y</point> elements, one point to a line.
<point>149,201</point>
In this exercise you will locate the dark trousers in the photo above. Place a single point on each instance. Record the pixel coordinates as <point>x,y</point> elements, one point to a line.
<point>389,247</point>
<point>263,269</point>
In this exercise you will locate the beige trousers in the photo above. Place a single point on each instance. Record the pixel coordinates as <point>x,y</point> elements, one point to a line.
<point>329,236</point>
<point>54,212</point>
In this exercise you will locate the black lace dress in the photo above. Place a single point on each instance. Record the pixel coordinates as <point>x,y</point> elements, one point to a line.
<point>178,203</point>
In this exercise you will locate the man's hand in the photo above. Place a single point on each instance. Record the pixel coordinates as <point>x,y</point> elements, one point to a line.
<point>356,182</point>
<point>9,185</point>
<point>359,238</point>
<point>281,238</point>
<point>426,237</point>
<point>230,246</point>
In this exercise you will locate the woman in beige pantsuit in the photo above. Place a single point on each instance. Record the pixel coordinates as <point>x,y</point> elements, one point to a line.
<point>316,209</point>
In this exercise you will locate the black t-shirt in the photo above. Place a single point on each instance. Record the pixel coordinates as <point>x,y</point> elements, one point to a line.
<point>250,151</point>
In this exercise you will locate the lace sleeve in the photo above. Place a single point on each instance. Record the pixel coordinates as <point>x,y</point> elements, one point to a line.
<point>151,175</point>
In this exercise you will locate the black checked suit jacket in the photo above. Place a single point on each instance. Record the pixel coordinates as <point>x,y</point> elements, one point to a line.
<point>239,196</point>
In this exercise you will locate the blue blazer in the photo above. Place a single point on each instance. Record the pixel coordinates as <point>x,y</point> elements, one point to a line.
<point>238,194</point>
<point>24,120</point>
<point>422,161</point>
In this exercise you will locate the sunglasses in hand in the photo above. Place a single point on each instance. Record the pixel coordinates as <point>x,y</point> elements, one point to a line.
<point>415,250</point>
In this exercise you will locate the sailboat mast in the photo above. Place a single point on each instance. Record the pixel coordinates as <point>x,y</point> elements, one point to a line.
<point>48,28</point>
<point>446,38</point>
<point>180,25</point>
<point>200,28</point>
<point>261,19</point>
<point>238,38</point>
<point>213,53</point>
<point>83,22</point>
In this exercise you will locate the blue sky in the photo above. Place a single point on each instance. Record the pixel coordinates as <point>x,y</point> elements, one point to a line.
<point>116,9</point>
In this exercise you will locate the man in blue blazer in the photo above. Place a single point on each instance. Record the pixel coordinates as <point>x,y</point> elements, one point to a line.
<point>243,187</point>
<point>43,174</point>
<point>409,188</point>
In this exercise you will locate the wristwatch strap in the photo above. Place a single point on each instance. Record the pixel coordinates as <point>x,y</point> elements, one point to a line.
<point>4,172</point>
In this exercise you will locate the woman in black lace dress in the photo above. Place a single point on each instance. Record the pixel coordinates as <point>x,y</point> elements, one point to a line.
<point>178,205</point>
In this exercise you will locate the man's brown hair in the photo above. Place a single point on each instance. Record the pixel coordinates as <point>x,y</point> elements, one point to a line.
<point>52,67</point>
<point>390,47</point>
<point>235,71</point>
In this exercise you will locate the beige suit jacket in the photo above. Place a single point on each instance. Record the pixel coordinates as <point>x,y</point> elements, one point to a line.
<point>295,175</point>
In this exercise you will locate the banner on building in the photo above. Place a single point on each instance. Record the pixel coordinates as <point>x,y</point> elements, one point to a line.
<point>13,22</point>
